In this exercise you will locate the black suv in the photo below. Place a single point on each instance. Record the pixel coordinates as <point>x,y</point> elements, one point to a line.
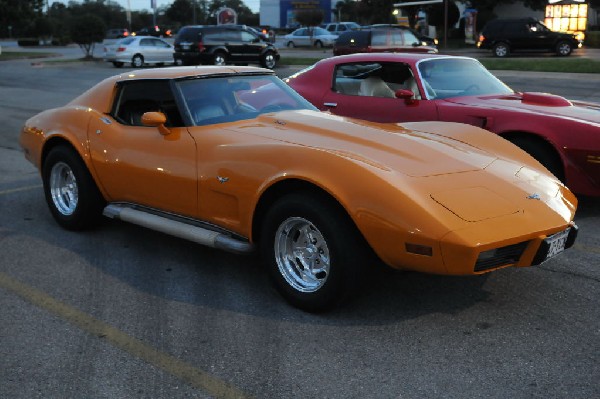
<point>380,40</point>
<point>222,44</point>
<point>506,35</point>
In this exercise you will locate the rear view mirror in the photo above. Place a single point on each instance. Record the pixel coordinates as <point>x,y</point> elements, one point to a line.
<point>406,95</point>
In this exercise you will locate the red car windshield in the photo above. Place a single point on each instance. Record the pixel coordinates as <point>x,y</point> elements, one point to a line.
<point>455,77</point>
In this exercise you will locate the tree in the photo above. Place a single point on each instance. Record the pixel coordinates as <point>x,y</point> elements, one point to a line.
<point>86,30</point>
<point>310,17</point>
<point>19,15</point>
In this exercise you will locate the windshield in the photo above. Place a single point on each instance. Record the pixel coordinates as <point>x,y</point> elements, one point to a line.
<point>455,77</point>
<point>233,98</point>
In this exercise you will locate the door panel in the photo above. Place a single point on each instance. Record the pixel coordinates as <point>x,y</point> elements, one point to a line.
<point>137,164</point>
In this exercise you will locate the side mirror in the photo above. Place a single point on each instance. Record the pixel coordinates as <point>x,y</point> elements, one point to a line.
<point>156,119</point>
<point>406,95</point>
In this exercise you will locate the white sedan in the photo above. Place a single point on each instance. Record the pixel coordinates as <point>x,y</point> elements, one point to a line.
<point>314,36</point>
<point>139,51</point>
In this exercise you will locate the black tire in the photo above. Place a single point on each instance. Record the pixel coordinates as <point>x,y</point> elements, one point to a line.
<point>501,50</point>
<point>319,44</point>
<point>564,49</point>
<point>71,193</point>
<point>543,152</point>
<point>291,44</point>
<point>137,61</point>
<point>268,60</point>
<point>219,58</point>
<point>336,253</point>
<point>118,64</point>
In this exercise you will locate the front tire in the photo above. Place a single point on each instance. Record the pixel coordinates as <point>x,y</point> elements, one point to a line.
<point>319,44</point>
<point>291,44</point>
<point>314,252</point>
<point>71,193</point>
<point>564,49</point>
<point>268,60</point>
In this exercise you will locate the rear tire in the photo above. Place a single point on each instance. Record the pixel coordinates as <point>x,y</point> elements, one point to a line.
<point>71,193</point>
<point>137,61</point>
<point>219,58</point>
<point>314,252</point>
<point>291,44</point>
<point>543,152</point>
<point>501,50</point>
<point>118,64</point>
<point>319,44</point>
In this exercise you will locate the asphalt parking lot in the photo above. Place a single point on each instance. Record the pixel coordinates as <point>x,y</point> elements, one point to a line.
<point>126,312</point>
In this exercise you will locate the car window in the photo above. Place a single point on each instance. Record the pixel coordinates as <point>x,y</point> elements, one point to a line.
<point>454,77</point>
<point>410,38</point>
<point>379,38</point>
<point>331,28</point>
<point>227,99</point>
<point>146,42</point>
<point>374,79</point>
<point>127,40</point>
<point>134,98</point>
<point>248,37</point>
<point>160,43</point>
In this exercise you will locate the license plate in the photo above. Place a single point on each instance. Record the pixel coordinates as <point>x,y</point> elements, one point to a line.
<point>557,243</point>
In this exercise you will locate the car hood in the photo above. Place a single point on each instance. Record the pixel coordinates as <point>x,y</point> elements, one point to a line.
<point>386,146</point>
<point>540,103</point>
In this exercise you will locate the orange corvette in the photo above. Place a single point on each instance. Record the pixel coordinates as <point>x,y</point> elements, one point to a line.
<point>233,158</point>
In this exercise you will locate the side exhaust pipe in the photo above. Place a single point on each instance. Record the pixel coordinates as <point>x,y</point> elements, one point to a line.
<point>175,228</point>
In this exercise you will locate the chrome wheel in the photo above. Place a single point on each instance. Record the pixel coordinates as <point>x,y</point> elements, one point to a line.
<point>63,188</point>
<point>137,61</point>
<point>302,254</point>
<point>564,49</point>
<point>501,50</point>
<point>269,60</point>
<point>219,59</point>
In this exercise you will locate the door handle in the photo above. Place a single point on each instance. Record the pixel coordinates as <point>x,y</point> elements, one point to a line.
<point>330,104</point>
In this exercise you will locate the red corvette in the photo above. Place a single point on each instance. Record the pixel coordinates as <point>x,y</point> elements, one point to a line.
<point>562,135</point>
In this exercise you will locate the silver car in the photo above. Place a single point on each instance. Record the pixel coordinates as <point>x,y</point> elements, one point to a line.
<point>302,37</point>
<point>139,51</point>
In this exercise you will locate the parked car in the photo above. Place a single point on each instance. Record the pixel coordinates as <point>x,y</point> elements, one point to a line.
<point>504,36</point>
<point>139,51</point>
<point>223,44</point>
<point>232,158</point>
<point>337,28</point>
<point>314,36</point>
<point>563,135</point>
<point>425,40</point>
<point>118,33</point>
<point>380,40</point>
<point>155,31</point>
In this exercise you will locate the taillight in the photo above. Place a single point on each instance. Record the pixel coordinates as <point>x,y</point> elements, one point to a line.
<point>201,46</point>
<point>121,49</point>
<point>481,38</point>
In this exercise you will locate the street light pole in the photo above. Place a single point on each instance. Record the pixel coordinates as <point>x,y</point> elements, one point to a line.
<point>445,23</point>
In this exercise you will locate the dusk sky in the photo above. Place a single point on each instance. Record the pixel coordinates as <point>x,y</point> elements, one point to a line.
<point>145,4</point>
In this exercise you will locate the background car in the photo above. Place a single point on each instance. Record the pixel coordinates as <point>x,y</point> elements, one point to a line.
<point>155,31</point>
<point>223,44</point>
<point>233,158</point>
<point>139,51</point>
<point>118,33</point>
<point>309,37</point>
<point>425,40</point>
<point>337,28</point>
<point>563,135</point>
<point>504,36</point>
<point>380,40</point>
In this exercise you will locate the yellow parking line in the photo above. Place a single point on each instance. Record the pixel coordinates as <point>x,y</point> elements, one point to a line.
<point>193,376</point>
<point>16,190</point>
